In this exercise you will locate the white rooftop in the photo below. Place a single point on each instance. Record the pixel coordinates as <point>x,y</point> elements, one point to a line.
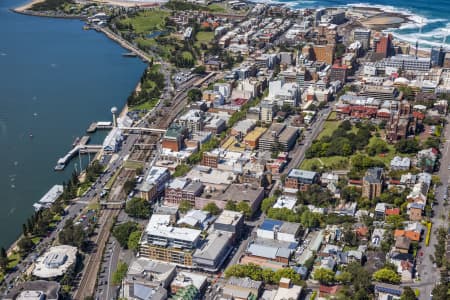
<point>285,202</point>
<point>159,226</point>
<point>55,261</point>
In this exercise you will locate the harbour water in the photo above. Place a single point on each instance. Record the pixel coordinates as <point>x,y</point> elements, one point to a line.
<point>55,80</point>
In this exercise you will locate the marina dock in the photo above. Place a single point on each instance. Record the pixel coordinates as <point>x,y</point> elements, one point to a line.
<point>81,147</point>
<point>99,125</point>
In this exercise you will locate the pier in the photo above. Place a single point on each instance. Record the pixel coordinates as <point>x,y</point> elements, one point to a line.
<point>99,125</point>
<point>80,148</point>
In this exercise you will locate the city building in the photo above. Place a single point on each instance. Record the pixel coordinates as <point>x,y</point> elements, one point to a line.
<point>363,36</point>
<point>372,183</point>
<point>339,73</point>
<point>267,111</point>
<point>278,137</point>
<point>408,62</point>
<point>230,221</point>
<point>324,53</point>
<point>173,138</point>
<point>34,290</point>
<point>164,242</point>
<point>283,93</point>
<point>383,45</point>
<point>193,120</point>
<point>253,195</point>
<point>182,189</point>
<point>147,277</point>
<point>437,57</point>
<point>113,141</point>
<point>242,288</point>
<point>279,230</point>
<point>55,262</point>
<point>300,179</point>
<point>213,251</point>
<point>185,279</point>
<point>154,183</point>
<point>252,138</point>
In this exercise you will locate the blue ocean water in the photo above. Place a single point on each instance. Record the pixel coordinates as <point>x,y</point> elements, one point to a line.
<point>55,79</point>
<point>432,15</point>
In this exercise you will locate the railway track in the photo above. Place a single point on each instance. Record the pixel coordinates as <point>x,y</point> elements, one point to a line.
<point>88,282</point>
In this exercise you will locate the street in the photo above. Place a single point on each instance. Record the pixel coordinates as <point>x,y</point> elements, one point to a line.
<point>428,272</point>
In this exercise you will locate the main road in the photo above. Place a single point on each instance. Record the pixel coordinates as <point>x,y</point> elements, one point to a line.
<point>428,271</point>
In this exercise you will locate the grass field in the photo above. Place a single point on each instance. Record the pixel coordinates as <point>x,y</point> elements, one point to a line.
<point>133,164</point>
<point>147,21</point>
<point>217,7</point>
<point>328,128</point>
<point>204,37</point>
<point>385,157</point>
<point>332,162</point>
<point>13,260</point>
<point>147,105</point>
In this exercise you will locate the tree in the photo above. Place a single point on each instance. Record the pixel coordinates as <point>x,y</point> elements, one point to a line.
<point>408,294</point>
<point>129,185</point>
<point>344,277</point>
<point>231,205</point>
<point>72,234</point>
<point>212,208</point>
<point>440,292</point>
<point>407,146</point>
<point>138,208</point>
<point>245,208</point>
<point>122,232</point>
<point>184,206</point>
<point>120,273</point>
<point>377,146</point>
<point>386,275</point>
<point>200,70</point>
<point>133,240</point>
<point>268,203</point>
<point>3,259</point>
<point>324,276</point>
<point>194,95</point>
<point>26,245</point>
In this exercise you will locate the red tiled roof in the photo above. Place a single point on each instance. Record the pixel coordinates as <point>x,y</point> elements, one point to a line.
<point>330,290</point>
<point>392,211</point>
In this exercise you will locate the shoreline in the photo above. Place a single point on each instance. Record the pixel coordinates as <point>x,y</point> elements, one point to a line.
<point>25,10</point>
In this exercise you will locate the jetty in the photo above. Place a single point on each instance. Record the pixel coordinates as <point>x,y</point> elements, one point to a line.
<point>80,148</point>
<point>99,125</point>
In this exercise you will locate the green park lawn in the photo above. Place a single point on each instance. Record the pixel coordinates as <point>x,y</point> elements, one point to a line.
<point>147,21</point>
<point>13,260</point>
<point>332,162</point>
<point>147,105</point>
<point>328,128</point>
<point>217,7</point>
<point>204,36</point>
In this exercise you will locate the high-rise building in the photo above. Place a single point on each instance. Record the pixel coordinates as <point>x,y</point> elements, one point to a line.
<point>338,72</point>
<point>267,111</point>
<point>437,57</point>
<point>362,35</point>
<point>383,45</point>
<point>324,53</point>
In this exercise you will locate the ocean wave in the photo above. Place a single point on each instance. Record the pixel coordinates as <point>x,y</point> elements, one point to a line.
<point>412,38</point>
<point>416,19</point>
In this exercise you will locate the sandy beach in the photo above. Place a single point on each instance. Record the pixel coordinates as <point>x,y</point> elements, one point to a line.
<point>27,6</point>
